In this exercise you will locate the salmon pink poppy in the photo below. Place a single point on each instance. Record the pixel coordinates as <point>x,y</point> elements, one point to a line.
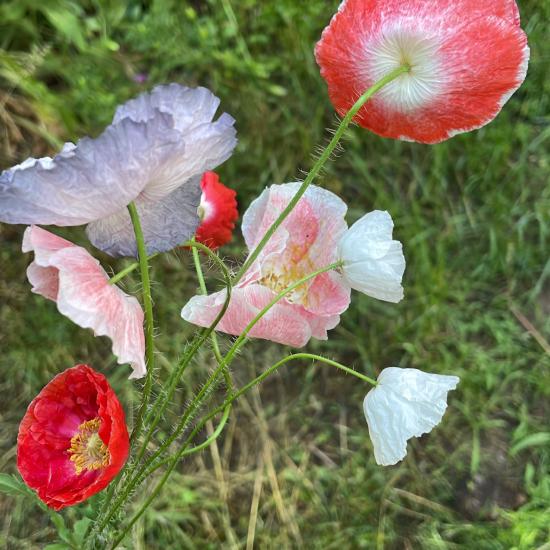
<point>305,241</point>
<point>73,438</point>
<point>466,59</point>
<point>217,211</point>
<point>74,280</point>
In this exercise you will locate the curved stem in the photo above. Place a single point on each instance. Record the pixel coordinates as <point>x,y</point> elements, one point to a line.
<point>164,399</point>
<point>128,269</point>
<point>229,357</point>
<point>225,407</point>
<point>213,337</point>
<point>149,322</point>
<point>318,166</point>
<point>159,408</point>
<point>205,388</point>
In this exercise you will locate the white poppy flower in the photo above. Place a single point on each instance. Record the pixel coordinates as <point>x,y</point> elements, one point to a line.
<point>373,263</point>
<point>405,403</point>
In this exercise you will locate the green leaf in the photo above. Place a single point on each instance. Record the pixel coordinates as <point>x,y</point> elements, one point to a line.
<point>81,528</point>
<point>68,24</point>
<point>533,440</point>
<point>57,546</point>
<point>11,485</point>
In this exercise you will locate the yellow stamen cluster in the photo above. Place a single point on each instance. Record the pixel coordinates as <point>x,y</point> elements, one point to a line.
<point>297,266</point>
<point>87,450</point>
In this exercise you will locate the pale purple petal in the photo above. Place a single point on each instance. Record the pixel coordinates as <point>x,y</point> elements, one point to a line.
<point>165,223</point>
<point>88,181</point>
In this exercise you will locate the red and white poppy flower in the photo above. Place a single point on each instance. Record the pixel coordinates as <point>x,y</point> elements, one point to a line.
<point>466,59</point>
<point>71,277</point>
<point>73,438</point>
<point>217,211</point>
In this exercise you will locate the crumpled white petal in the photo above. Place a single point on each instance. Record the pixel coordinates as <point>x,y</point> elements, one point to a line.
<point>405,403</point>
<point>373,263</point>
<point>71,277</point>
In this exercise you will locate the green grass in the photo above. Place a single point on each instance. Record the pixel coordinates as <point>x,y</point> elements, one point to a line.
<point>294,468</point>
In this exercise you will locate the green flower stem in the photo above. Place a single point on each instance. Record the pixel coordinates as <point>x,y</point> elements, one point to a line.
<point>213,337</point>
<point>164,398</point>
<point>225,407</point>
<point>233,350</point>
<point>318,166</point>
<point>160,406</point>
<point>211,380</point>
<point>149,321</point>
<point>121,274</point>
<point>186,452</point>
<point>229,400</point>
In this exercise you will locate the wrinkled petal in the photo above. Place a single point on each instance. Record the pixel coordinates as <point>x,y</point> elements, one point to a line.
<point>265,209</point>
<point>373,263</point>
<point>68,275</point>
<point>89,180</point>
<point>166,223</point>
<point>406,403</point>
<point>205,143</point>
<point>304,243</point>
<point>281,324</point>
<point>53,418</point>
<point>467,58</point>
<point>157,144</point>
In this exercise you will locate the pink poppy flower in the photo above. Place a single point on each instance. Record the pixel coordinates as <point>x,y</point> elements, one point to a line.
<point>71,277</point>
<point>217,211</point>
<point>467,58</point>
<point>306,241</point>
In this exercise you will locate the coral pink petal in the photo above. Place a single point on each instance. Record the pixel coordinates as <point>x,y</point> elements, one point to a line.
<point>70,276</point>
<point>467,58</point>
<point>327,295</point>
<point>317,203</point>
<point>282,324</point>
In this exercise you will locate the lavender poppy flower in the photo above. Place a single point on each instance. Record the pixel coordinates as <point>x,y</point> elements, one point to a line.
<point>154,153</point>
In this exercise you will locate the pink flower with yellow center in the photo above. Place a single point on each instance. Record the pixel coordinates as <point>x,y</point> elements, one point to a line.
<point>306,241</point>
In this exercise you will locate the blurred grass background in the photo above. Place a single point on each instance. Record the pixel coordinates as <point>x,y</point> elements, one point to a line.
<point>294,468</point>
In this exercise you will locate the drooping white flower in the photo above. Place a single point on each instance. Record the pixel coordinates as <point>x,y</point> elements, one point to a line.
<point>405,403</point>
<point>373,263</point>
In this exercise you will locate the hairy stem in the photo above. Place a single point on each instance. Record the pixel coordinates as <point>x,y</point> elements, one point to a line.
<point>318,166</point>
<point>225,406</point>
<point>149,321</point>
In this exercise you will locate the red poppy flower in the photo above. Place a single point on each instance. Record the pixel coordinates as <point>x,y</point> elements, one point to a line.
<point>218,212</point>
<point>73,439</point>
<point>467,58</point>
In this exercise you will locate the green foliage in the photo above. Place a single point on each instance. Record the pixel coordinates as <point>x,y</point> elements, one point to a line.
<point>295,467</point>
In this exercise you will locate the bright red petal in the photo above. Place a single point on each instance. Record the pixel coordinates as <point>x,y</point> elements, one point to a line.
<point>73,397</point>
<point>219,207</point>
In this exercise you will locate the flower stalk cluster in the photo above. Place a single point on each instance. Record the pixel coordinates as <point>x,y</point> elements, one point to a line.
<point>296,282</point>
